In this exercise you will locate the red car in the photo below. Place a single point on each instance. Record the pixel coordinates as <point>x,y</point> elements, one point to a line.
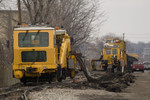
<point>138,66</point>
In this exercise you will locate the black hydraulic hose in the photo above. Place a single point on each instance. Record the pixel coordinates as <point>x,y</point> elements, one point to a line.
<point>101,58</point>
<point>85,69</point>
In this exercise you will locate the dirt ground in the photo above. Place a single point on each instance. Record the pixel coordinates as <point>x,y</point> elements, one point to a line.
<point>139,90</point>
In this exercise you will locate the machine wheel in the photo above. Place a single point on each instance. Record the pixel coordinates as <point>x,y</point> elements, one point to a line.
<point>112,69</point>
<point>105,68</point>
<point>64,75</point>
<point>59,73</point>
<point>23,80</point>
<point>119,68</point>
<point>93,68</point>
<point>109,69</point>
<point>143,71</point>
<point>51,77</point>
<point>72,73</point>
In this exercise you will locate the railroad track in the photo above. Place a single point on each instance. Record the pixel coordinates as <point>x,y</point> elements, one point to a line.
<point>19,92</point>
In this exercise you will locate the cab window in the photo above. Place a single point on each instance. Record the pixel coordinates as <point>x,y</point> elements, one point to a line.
<point>109,41</point>
<point>34,39</point>
<point>114,51</point>
<point>107,51</point>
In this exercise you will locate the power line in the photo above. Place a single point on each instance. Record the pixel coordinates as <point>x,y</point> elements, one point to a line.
<point>137,34</point>
<point>123,35</point>
<point>138,37</point>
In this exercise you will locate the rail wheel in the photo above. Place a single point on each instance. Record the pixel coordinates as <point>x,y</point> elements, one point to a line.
<point>64,75</point>
<point>119,67</point>
<point>51,77</point>
<point>105,68</point>
<point>110,69</point>
<point>23,80</point>
<point>59,73</point>
<point>93,67</point>
<point>72,73</point>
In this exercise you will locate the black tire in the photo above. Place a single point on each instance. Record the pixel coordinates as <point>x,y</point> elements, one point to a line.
<point>143,71</point>
<point>112,69</point>
<point>109,69</point>
<point>94,70</point>
<point>51,77</point>
<point>132,71</point>
<point>64,75</point>
<point>119,67</point>
<point>105,68</point>
<point>70,73</point>
<point>59,73</point>
<point>23,80</point>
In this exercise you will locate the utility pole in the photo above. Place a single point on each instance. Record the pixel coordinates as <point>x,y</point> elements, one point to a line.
<point>19,12</point>
<point>123,36</point>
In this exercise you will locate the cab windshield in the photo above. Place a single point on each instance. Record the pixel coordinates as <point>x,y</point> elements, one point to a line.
<point>34,39</point>
<point>108,51</point>
<point>114,51</point>
<point>109,41</point>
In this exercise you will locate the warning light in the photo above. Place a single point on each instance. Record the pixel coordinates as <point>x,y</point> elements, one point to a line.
<point>19,24</point>
<point>24,25</point>
<point>47,23</point>
<point>57,28</point>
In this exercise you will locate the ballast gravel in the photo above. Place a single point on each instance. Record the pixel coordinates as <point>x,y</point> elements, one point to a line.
<point>75,94</point>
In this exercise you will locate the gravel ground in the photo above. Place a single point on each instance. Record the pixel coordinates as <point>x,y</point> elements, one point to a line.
<point>81,90</point>
<point>139,90</point>
<point>77,94</point>
<point>68,90</point>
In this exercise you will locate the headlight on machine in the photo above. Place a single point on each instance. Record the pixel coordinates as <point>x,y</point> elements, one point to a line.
<point>44,68</point>
<point>22,68</point>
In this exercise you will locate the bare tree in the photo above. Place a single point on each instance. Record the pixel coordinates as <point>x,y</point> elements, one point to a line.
<point>1,3</point>
<point>99,42</point>
<point>76,16</point>
<point>38,10</point>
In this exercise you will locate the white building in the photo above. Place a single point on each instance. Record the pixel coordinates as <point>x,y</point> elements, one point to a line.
<point>146,55</point>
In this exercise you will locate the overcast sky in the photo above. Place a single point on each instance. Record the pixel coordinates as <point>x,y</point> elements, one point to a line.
<point>131,17</point>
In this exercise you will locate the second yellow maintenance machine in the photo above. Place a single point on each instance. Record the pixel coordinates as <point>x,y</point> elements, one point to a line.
<point>113,55</point>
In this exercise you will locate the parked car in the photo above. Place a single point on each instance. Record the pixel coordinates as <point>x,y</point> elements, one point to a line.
<point>147,65</point>
<point>138,66</point>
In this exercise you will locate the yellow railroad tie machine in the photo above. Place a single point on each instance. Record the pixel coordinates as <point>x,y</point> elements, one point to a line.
<point>42,53</point>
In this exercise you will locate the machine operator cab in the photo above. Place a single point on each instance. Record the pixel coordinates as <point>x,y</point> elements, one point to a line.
<point>33,50</point>
<point>111,49</point>
<point>39,50</point>
<point>110,54</point>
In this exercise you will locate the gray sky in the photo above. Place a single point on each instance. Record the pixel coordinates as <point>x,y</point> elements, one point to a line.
<point>131,17</point>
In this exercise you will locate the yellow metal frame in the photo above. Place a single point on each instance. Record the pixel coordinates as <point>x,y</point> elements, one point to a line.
<point>52,61</point>
<point>19,67</point>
